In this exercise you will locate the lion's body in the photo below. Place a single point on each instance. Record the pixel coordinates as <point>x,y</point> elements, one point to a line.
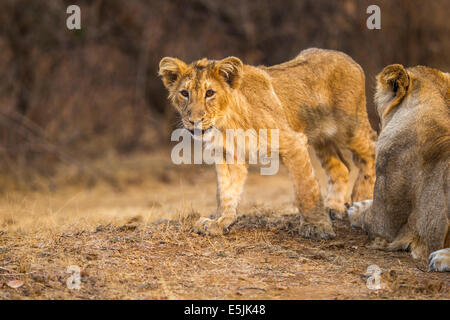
<point>318,97</point>
<point>411,201</point>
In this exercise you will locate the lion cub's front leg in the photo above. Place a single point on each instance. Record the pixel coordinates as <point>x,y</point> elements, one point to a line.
<point>315,221</point>
<point>230,183</point>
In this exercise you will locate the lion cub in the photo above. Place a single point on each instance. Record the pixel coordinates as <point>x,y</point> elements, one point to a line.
<point>411,200</point>
<point>318,97</point>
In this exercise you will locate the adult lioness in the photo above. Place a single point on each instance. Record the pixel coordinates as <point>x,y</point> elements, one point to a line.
<point>320,95</point>
<point>411,201</point>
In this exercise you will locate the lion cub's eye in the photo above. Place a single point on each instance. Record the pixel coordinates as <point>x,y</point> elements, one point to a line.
<point>184,93</point>
<point>209,93</point>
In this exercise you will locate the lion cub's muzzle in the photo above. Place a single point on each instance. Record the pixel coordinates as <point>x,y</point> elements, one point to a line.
<point>198,131</point>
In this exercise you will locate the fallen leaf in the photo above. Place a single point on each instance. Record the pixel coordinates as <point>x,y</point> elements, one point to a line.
<point>15,284</point>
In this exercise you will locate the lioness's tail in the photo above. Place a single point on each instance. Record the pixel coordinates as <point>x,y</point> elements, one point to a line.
<point>355,212</point>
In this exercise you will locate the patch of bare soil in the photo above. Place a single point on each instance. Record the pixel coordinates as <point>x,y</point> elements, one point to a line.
<point>136,242</point>
<point>261,258</point>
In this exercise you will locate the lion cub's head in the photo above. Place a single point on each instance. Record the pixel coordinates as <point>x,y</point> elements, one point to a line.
<point>201,91</point>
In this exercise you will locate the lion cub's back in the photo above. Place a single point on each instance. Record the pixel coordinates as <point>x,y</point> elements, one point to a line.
<point>319,78</point>
<point>319,72</point>
<point>319,56</point>
<point>317,63</point>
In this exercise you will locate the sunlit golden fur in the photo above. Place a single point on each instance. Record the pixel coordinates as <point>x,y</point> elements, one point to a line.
<point>318,97</point>
<point>411,201</point>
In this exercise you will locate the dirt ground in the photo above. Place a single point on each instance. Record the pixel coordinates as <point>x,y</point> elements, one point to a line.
<point>133,240</point>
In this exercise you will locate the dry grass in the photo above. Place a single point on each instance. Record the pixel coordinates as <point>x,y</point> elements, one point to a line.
<point>134,240</point>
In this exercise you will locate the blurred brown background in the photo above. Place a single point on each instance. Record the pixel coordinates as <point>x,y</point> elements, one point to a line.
<point>72,96</point>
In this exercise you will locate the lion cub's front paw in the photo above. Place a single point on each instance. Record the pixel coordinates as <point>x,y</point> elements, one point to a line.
<point>317,231</point>
<point>207,226</point>
<point>440,260</point>
<point>213,227</point>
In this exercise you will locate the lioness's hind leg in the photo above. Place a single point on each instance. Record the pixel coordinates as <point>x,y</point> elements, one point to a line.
<point>356,212</point>
<point>337,175</point>
<point>440,260</point>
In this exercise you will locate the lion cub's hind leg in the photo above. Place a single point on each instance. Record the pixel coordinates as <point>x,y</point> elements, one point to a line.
<point>363,149</point>
<point>440,260</point>
<point>337,175</point>
<point>315,222</point>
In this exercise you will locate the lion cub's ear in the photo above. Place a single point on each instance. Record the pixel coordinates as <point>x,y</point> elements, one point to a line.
<point>393,83</point>
<point>170,70</point>
<point>231,70</point>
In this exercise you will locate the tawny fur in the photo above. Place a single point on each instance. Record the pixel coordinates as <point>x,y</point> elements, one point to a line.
<point>318,97</point>
<point>411,201</point>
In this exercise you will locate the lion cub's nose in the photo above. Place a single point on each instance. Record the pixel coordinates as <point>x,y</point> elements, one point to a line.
<point>196,116</point>
<point>195,122</point>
